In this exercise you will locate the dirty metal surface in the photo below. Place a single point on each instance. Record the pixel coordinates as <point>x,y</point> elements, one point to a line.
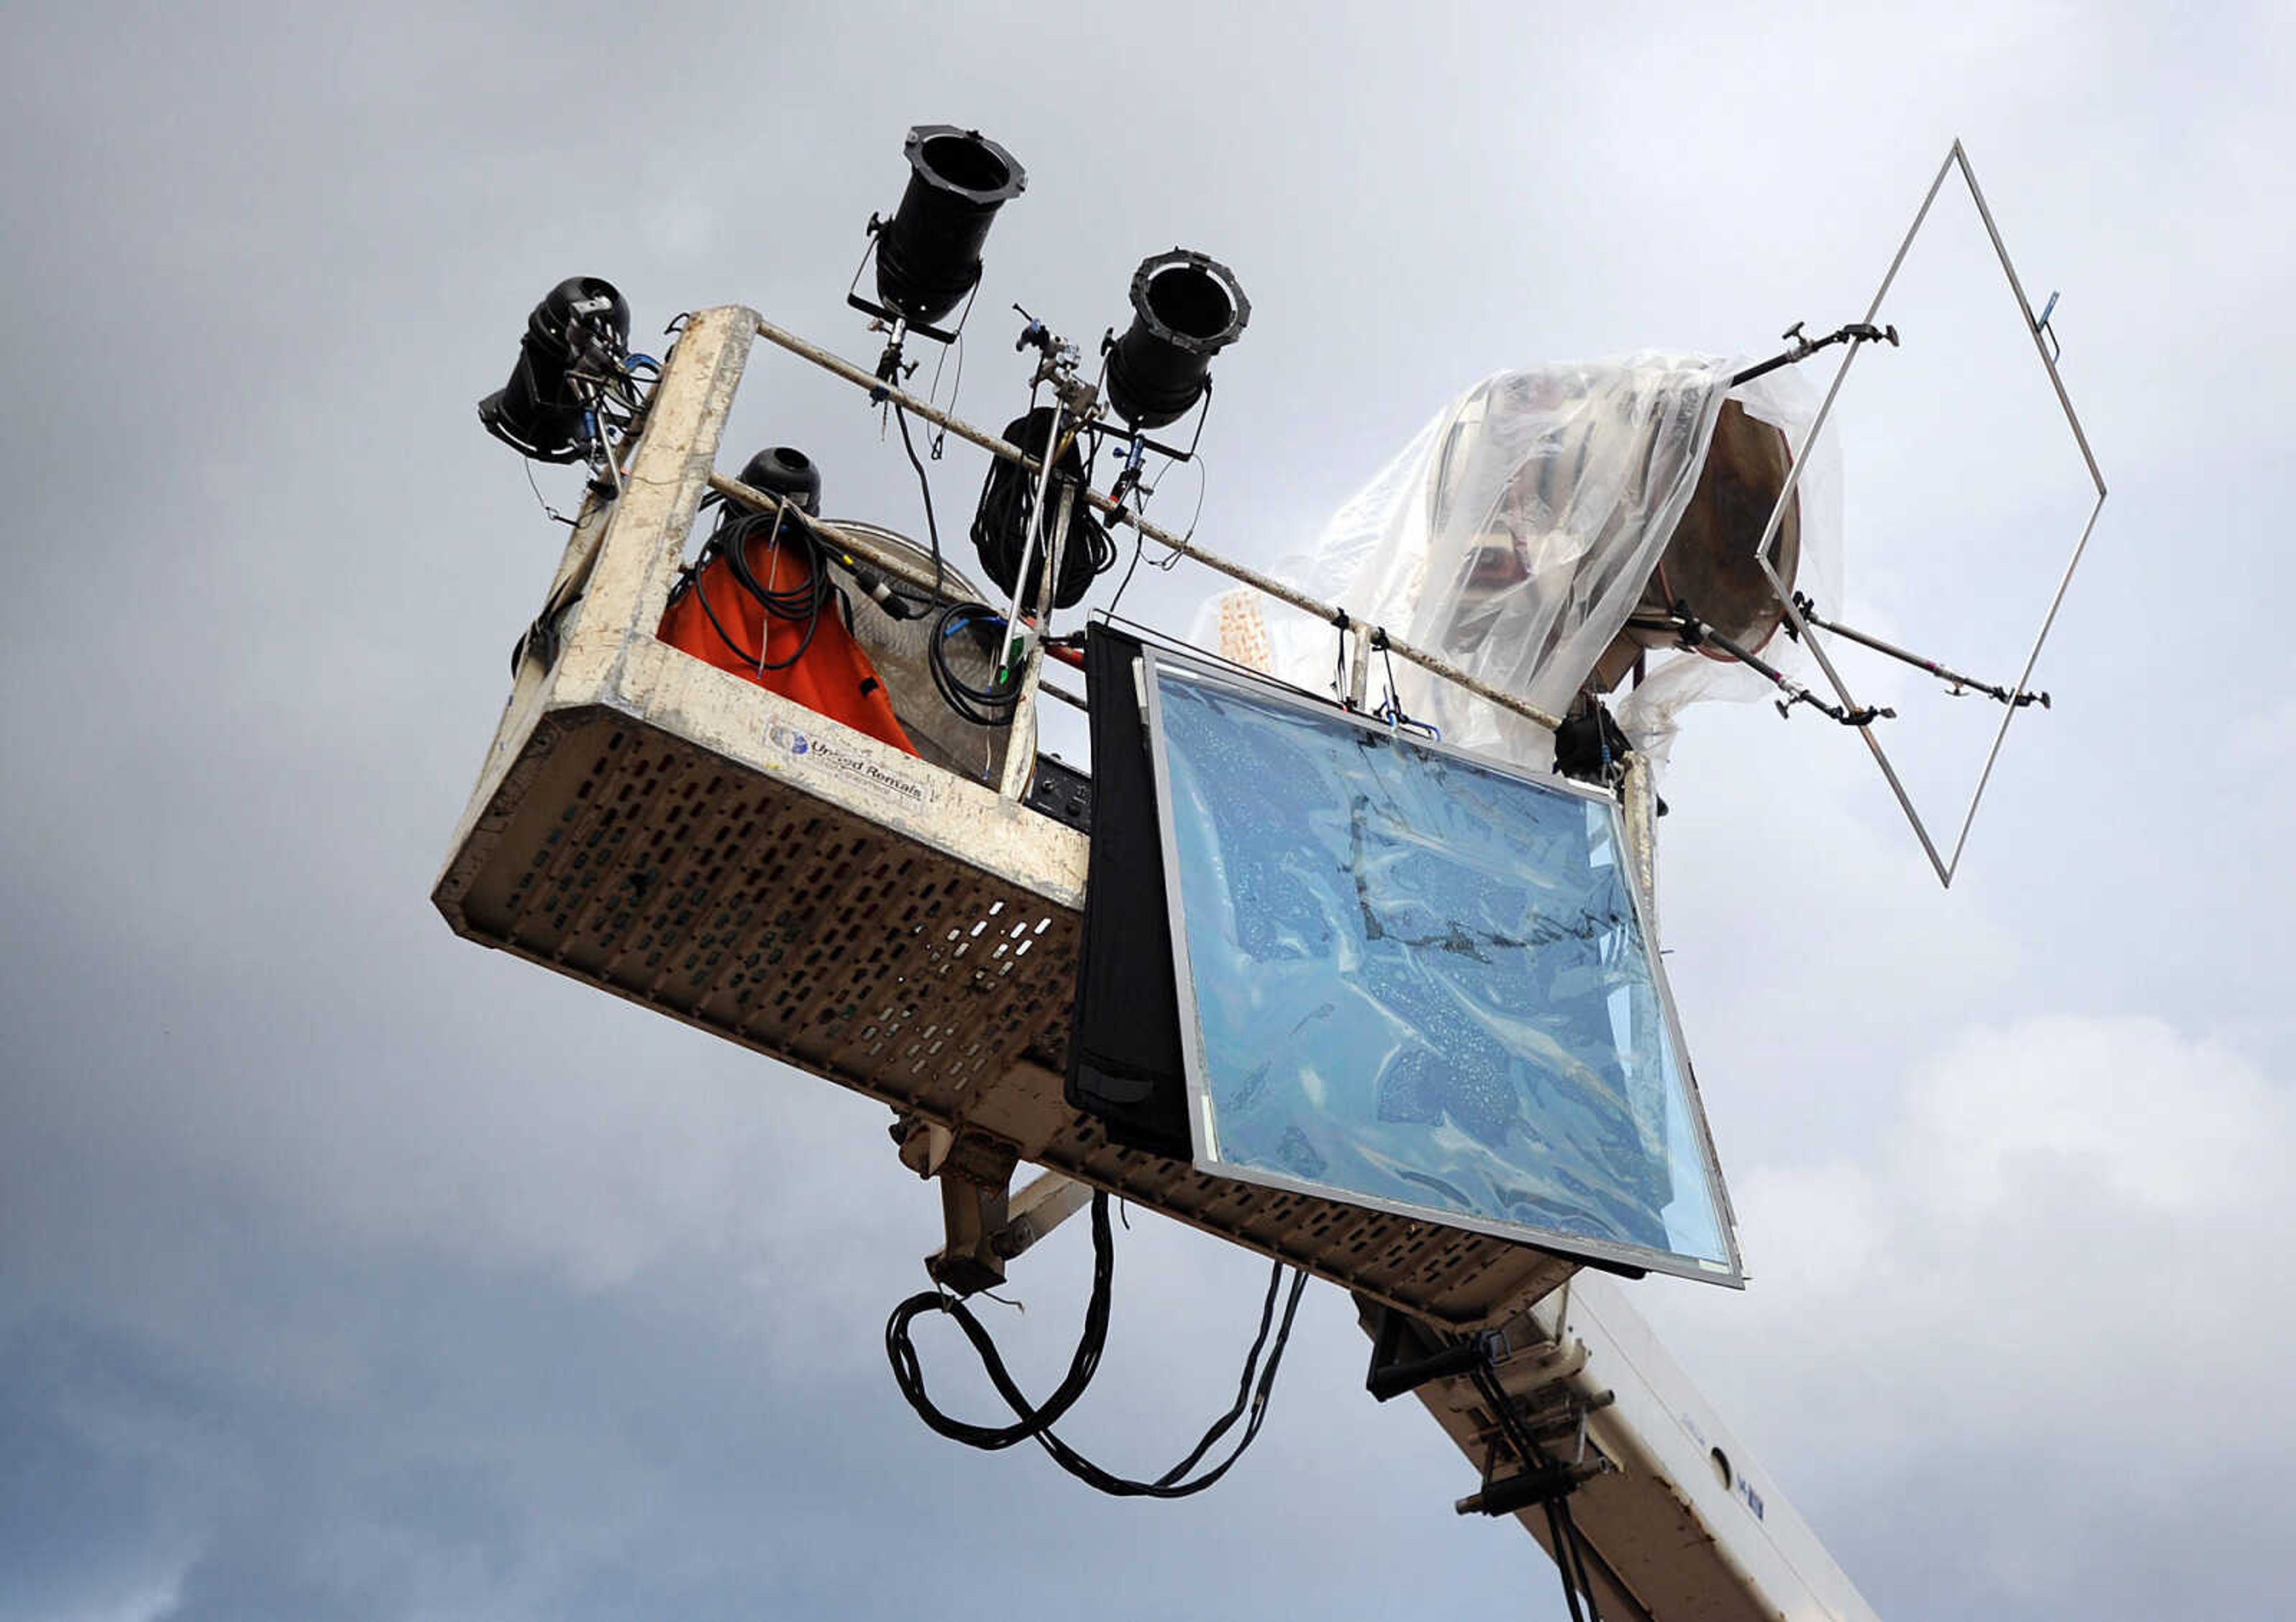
<point>767,907</point>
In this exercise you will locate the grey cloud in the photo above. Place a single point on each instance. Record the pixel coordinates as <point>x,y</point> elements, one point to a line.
<point>345,1269</point>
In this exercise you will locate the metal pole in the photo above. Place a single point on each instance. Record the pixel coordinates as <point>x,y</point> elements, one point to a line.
<point>1944,673</point>
<point>1021,765</point>
<point>1015,637</point>
<point>846,541</point>
<point>1795,692</point>
<point>1266,584</point>
<point>1358,664</point>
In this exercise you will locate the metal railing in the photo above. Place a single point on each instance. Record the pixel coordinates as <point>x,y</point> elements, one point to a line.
<point>907,569</point>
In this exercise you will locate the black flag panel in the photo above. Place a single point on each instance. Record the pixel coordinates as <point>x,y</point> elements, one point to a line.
<point>1125,1062</point>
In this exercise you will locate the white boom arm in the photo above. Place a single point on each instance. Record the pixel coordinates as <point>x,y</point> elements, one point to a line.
<point>1678,1523</point>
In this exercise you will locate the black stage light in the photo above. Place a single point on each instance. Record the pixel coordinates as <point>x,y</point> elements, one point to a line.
<point>784,471</point>
<point>928,253</point>
<point>578,335</point>
<point>1185,309</point>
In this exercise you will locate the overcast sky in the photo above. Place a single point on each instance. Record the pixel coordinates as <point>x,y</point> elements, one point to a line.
<point>350,1270</point>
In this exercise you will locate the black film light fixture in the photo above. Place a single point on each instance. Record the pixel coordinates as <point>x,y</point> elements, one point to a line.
<point>928,253</point>
<point>576,343</point>
<point>787,472</point>
<point>1187,308</point>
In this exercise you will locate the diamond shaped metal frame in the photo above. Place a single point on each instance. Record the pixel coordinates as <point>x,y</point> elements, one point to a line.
<point>2037,329</point>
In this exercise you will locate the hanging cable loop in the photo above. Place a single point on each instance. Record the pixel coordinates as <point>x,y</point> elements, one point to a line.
<point>1033,1422</point>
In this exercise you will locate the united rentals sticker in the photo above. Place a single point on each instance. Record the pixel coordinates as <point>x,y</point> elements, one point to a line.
<point>845,760</point>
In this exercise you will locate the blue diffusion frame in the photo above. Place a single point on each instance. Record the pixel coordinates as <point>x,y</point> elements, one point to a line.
<point>1413,979</point>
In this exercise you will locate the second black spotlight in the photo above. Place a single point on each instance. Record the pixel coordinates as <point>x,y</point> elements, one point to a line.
<point>1187,308</point>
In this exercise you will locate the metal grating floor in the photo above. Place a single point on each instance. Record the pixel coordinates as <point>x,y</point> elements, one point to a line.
<point>643,864</point>
<point>619,852</point>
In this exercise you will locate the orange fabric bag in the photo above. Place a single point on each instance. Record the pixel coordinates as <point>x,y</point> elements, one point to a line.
<point>832,677</point>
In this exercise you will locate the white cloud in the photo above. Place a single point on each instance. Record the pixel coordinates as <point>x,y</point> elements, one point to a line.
<point>2273,738</point>
<point>2057,1265</point>
<point>2178,1131</point>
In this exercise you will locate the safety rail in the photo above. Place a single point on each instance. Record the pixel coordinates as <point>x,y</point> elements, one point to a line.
<point>880,390</point>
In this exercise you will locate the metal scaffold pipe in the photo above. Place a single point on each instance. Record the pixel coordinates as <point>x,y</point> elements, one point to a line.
<point>1434,663</point>
<point>907,569</point>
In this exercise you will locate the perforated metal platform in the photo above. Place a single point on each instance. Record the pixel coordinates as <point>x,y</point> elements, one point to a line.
<point>664,830</point>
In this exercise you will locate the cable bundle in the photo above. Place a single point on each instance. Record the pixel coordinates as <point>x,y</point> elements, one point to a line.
<point>1034,1423</point>
<point>1564,1540</point>
<point>1008,505</point>
<point>731,541</point>
<point>983,628</point>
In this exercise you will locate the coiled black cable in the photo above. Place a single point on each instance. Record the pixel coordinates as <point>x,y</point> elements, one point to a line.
<point>1033,1422</point>
<point>731,541</point>
<point>988,706</point>
<point>1008,505</point>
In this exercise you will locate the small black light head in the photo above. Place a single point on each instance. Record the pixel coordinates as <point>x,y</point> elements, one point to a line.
<point>928,253</point>
<point>787,472</point>
<point>579,333</point>
<point>1185,309</point>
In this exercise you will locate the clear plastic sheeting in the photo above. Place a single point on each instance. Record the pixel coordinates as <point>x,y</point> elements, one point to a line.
<point>1514,535</point>
<point>1417,982</point>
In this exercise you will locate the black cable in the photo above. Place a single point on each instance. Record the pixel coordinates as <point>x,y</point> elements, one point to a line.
<point>718,625</point>
<point>618,396</point>
<point>1140,536</point>
<point>1562,1527</point>
<point>688,579</point>
<point>1002,522</point>
<point>932,528</point>
<point>989,706</point>
<point>1566,1529</point>
<point>1170,1484</point>
<point>1139,545</point>
<point>908,1373</point>
<point>1034,1422</point>
<point>1529,1455</point>
<point>731,541</point>
<point>795,602</point>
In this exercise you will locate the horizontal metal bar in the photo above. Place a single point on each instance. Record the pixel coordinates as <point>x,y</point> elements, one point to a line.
<point>907,569</point>
<point>1434,663</point>
<point>1049,1201</point>
<point>899,565</point>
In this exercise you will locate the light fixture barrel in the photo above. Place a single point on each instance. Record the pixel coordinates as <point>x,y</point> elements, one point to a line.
<point>1187,308</point>
<point>787,472</point>
<point>928,253</point>
<point>582,327</point>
